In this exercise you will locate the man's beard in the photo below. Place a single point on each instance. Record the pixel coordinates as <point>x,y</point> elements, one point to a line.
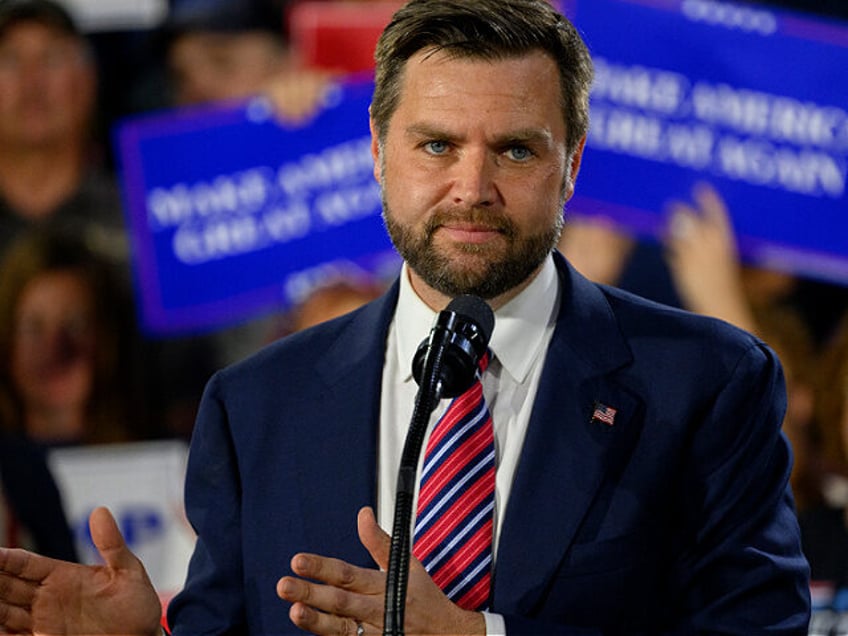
<point>496,269</point>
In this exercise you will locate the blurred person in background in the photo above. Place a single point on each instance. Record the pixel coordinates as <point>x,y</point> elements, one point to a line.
<point>706,269</point>
<point>329,300</point>
<point>700,258</point>
<point>824,523</point>
<point>332,300</point>
<point>788,335</point>
<point>66,340</point>
<point>710,278</point>
<point>597,248</point>
<point>31,511</point>
<point>219,51</point>
<point>49,172</point>
<point>53,179</point>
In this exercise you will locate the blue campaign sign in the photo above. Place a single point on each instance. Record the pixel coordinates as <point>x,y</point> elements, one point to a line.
<point>232,213</point>
<point>754,101</point>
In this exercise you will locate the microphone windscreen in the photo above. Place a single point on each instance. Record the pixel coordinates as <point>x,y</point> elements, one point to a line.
<point>477,310</point>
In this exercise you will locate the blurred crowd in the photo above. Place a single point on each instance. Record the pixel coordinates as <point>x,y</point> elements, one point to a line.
<point>76,369</point>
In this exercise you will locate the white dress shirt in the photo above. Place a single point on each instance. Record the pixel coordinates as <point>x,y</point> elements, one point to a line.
<point>523,329</point>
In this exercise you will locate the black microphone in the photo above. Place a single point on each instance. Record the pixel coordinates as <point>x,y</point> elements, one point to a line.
<point>462,331</point>
<point>444,366</point>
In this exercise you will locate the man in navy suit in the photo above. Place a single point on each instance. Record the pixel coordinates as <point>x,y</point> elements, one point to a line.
<point>641,483</point>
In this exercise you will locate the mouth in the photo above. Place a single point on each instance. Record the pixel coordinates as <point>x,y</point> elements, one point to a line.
<point>471,226</point>
<point>464,232</point>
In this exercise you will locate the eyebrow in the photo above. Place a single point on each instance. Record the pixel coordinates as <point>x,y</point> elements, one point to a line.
<point>522,135</point>
<point>526,136</point>
<point>427,130</point>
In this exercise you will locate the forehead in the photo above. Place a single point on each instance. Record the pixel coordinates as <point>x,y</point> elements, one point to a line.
<point>522,89</point>
<point>219,42</point>
<point>35,30</point>
<point>65,281</point>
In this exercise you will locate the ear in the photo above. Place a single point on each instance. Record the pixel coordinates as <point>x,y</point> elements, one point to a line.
<point>574,168</point>
<point>375,147</point>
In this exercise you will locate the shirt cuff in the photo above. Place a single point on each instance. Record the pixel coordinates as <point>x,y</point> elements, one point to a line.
<point>495,624</point>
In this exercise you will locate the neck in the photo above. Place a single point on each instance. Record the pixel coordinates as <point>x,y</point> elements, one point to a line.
<point>35,182</point>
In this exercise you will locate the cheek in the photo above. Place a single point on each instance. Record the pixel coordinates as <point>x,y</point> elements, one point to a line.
<point>17,364</point>
<point>8,94</point>
<point>74,94</point>
<point>537,202</point>
<point>25,352</point>
<point>411,194</point>
<point>23,372</point>
<point>87,348</point>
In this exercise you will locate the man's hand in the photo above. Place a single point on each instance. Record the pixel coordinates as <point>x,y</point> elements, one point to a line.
<point>39,595</point>
<point>346,596</point>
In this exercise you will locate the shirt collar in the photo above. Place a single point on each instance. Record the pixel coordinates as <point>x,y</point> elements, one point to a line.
<point>520,325</point>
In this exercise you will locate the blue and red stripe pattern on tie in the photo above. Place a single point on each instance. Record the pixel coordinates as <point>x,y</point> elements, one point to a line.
<point>456,499</point>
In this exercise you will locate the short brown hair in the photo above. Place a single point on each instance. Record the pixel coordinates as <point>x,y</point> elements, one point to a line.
<point>488,30</point>
<point>45,12</point>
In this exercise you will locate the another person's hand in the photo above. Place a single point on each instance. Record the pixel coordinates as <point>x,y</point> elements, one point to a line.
<point>701,254</point>
<point>298,95</point>
<point>596,248</point>
<point>340,596</point>
<point>39,595</point>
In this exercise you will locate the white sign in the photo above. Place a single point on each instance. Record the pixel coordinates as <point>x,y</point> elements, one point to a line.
<point>141,483</point>
<point>117,15</point>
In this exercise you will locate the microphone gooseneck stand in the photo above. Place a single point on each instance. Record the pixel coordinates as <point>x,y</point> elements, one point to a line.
<point>428,396</point>
<point>445,366</point>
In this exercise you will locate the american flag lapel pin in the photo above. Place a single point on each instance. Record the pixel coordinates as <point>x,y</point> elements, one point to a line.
<point>603,414</point>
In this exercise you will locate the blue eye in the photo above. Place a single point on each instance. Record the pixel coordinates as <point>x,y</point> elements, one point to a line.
<point>519,153</point>
<point>437,147</point>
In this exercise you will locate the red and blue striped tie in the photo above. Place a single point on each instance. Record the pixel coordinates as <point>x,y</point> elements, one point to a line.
<point>456,499</point>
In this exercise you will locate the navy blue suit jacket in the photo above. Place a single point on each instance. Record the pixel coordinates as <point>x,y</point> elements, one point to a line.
<point>674,519</point>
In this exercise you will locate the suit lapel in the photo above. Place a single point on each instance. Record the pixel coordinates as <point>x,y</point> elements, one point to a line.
<point>567,452</point>
<point>337,466</point>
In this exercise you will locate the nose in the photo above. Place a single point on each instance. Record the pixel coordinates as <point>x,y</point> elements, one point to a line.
<point>62,346</point>
<point>474,179</point>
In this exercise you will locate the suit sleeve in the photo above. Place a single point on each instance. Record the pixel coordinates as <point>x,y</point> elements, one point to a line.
<point>744,572</point>
<point>212,600</point>
<point>741,572</point>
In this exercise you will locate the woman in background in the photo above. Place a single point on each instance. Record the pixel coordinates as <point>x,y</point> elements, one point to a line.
<point>66,375</point>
